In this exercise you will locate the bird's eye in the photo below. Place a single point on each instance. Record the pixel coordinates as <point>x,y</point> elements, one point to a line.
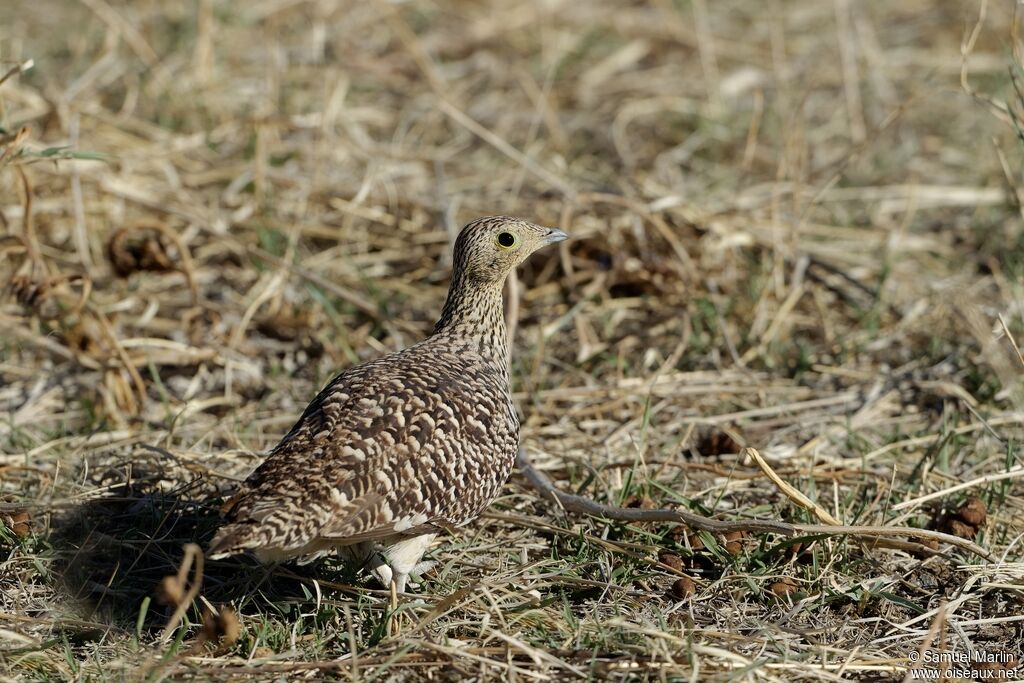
<point>507,240</point>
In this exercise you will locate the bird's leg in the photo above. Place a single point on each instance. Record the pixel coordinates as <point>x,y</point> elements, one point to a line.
<point>403,557</point>
<point>397,586</point>
<point>394,583</point>
<point>400,559</point>
<point>393,625</point>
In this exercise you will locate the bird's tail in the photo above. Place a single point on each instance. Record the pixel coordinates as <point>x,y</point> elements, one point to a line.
<point>231,539</point>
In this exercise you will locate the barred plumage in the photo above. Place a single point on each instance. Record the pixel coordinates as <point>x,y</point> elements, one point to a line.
<point>395,450</point>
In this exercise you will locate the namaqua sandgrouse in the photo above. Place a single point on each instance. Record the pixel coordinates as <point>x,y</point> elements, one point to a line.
<point>395,450</point>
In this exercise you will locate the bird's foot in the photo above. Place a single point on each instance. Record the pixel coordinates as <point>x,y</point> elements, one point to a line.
<point>423,567</point>
<point>419,570</point>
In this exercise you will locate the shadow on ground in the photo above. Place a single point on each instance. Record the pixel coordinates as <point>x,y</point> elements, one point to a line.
<point>112,552</point>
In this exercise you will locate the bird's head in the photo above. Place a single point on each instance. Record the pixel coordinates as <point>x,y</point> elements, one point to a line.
<point>489,248</point>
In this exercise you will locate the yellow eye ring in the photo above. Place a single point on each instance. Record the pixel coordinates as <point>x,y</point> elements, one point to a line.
<point>506,240</point>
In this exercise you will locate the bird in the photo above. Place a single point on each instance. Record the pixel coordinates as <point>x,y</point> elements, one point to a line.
<point>399,449</point>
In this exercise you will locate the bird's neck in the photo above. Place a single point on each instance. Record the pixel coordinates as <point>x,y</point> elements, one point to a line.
<point>473,315</point>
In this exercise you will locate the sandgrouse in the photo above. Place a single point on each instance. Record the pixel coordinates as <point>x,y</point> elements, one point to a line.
<point>395,450</point>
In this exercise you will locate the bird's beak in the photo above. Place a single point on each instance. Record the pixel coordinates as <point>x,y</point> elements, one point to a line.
<point>555,236</point>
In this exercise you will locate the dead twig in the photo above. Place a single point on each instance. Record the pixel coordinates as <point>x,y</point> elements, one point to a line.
<point>173,588</point>
<point>582,505</point>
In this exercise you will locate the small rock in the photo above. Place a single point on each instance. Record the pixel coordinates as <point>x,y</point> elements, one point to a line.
<point>784,587</point>
<point>683,588</point>
<point>973,512</point>
<point>734,542</point>
<point>961,529</point>
<point>20,523</point>
<point>671,560</point>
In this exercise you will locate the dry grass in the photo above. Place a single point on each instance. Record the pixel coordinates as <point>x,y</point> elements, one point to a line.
<point>796,226</point>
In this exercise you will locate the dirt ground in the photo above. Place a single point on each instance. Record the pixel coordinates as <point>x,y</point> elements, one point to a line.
<point>796,226</point>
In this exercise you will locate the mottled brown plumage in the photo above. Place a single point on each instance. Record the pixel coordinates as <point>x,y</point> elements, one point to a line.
<point>395,450</point>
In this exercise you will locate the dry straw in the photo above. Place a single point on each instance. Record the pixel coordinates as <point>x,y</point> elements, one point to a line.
<point>796,228</point>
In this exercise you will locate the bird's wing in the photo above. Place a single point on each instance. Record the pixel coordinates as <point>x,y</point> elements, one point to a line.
<point>347,471</point>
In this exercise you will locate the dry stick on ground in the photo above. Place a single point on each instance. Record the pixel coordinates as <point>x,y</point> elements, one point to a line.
<point>582,505</point>
<point>824,515</point>
<point>174,591</point>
